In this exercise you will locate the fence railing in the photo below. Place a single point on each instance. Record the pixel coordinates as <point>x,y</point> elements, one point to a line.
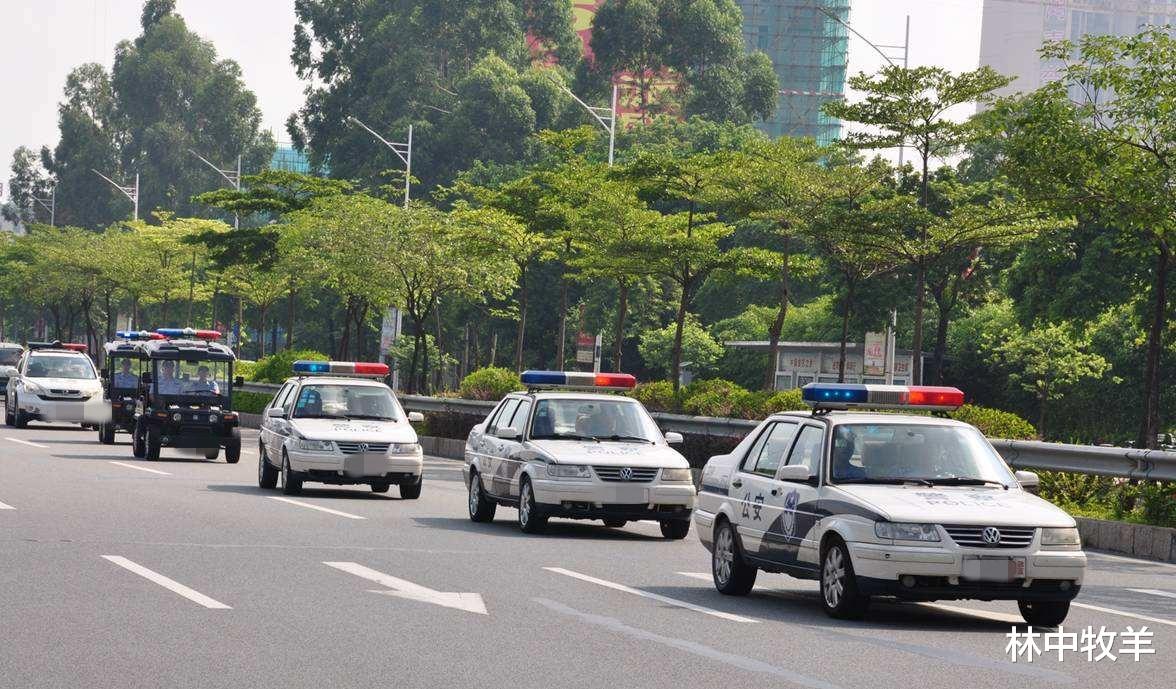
<point>1119,462</point>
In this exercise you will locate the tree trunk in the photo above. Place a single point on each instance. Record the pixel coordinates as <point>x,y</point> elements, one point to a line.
<point>560,352</point>
<point>1150,425</point>
<point>261,331</point>
<point>917,339</point>
<point>778,323</point>
<point>1043,402</point>
<point>619,333</point>
<point>291,304</point>
<point>416,350</point>
<point>522,319</point>
<point>493,348</point>
<point>847,307</point>
<point>240,324</point>
<point>438,365</point>
<point>676,352</point>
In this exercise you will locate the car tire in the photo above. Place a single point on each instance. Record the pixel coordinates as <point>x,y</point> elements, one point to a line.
<point>1044,613</point>
<point>730,572</point>
<point>211,454</point>
<point>19,420</point>
<point>138,442</point>
<point>532,518</point>
<point>267,475</point>
<point>615,523</point>
<point>106,434</point>
<point>380,486</point>
<point>154,443</point>
<point>291,481</point>
<point>233,448</point>
<point>839,586</point>
<point>9,418</point>
<point>675,529</point>
<point>481,506</point>
<point>412,491</point>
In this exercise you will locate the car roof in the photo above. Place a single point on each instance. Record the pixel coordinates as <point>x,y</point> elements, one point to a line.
<point>339,380</point>
<point>837,418</point>
<point>571,394</point>
<point>188,350</point>
<point>60,352</point>
<point>10,345</point>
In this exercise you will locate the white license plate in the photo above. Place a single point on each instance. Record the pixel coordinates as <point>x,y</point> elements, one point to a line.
<point>631,495</point>
<point>994,568</point>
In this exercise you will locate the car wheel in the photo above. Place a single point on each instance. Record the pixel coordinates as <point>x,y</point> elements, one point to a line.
<point>138,442</point>
<point>291,482</point>
<point>482,507</point>
<point>233,448</point>
<point>9,419</point>
<point>380,486</point>
<point>154,442</point>
<point>615,523</point>
<point>839,589</point>
<point>106,434</point>
<point>675,529</point>
<point>267,475</point>
<point>531,516</point>
<point>19,419</point>
<point>731,574</point>
<point>412,491</point>
<point>1044,613</point>
<point>212,453</point>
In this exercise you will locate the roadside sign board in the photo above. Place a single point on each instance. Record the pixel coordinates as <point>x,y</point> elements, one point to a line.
<point>875,354</point>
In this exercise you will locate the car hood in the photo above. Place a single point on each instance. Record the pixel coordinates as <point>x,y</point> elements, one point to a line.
<point>7,371</point>
<point>969,505</point>
<point>358,430</point>
<point>606,453</point>
<point>84,384</point>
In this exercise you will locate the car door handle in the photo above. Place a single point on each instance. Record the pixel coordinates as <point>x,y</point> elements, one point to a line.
<point>775,491</point>
<point>737,483</point>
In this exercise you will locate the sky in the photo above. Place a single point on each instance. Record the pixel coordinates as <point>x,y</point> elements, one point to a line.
<point>42,40</point>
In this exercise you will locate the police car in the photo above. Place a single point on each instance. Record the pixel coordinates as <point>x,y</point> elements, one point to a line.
<point>335,422</point>
<point>55,382</point>
<point>881,504</point>
<point>9,355</point>
<point>561,449</point>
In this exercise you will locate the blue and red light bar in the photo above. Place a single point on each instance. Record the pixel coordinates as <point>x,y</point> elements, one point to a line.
<point>869,396</point>
<point>56,344</point>
<point>364,369</point>
<point>189,333</point>
<point>138,335</point>
<point>578,379</point>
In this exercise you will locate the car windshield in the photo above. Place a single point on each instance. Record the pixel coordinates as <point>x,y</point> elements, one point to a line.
<point>917,453</point>
<point>340,401</point>
<point>60,366</point>
<point>201,379</point>
<point>621,420</point>
<point>9,356</point>
<point>125,374</point>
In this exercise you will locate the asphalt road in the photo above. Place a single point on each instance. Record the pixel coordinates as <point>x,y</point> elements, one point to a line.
<point>117,572</point>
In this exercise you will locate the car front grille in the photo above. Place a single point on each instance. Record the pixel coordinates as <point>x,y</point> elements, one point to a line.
<point>356,448</point>
<point>973,536</point>
<point>639,474</point>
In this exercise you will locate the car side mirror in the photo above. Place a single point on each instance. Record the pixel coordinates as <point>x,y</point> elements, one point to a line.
<point>239,381</point>
<point>674,438</point>
<point>415,417</point>
<point>1029,480</point>
<point>507,433</point>
<point>796,473</point>
<point>276,412</point>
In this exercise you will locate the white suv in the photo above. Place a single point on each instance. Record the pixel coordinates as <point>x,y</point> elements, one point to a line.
<point>55,382</point>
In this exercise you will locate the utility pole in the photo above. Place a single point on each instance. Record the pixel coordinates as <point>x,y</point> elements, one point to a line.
<point>402,151</point>
<point>605,117</point>
<point>233,177</point>
<point>51,206</point>
<point>131,193</point>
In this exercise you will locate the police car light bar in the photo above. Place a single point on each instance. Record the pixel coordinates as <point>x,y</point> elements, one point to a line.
<point>578,379</point>
<point>359,369</point>
<point>175,333</point>
<point>869,396</point>
<point>138,335</point>
<point>72,346</point>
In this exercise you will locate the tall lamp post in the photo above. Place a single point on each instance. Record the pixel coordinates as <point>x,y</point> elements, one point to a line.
<point>49,204</point>
<point>605,117</point>
<point>233,177</point>
<point>131,193</point>
<point>402,151</point>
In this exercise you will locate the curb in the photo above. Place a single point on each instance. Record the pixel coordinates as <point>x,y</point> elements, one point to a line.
<point>1138,540</point>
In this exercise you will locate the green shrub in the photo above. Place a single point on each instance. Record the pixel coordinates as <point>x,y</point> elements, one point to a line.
<point>490,383</point>
<point>751,405</point>
<point>698,387</point>
<point>250,402</point>
<point>276,368</point>
<point>657,396</point>
<point>245,369</point>
<point>718,402</point>
<point>785,400</point>
<point>995,423</point>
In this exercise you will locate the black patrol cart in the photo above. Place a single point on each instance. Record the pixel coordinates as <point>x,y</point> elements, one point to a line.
<point>122,372</point>
<point>186,398</point>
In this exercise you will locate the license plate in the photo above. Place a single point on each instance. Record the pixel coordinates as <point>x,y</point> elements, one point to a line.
<point>631,495</point>
<point>994,568</point>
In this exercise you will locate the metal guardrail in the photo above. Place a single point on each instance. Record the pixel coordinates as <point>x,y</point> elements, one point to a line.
<point>1121,462</point>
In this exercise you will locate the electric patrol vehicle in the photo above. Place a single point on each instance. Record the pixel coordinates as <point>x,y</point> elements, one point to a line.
<point>911,506</point>
<point>121,375</point>
<point>10,354</point>
<point>562,449</point>
<point>336,422</point>
<point>55,382</point>
<point>186,398</point>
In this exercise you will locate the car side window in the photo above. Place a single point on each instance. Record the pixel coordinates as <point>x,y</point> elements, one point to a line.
<point>283,396</point>
<point>504,414</point>
<point>748,465</point>
<point>775,447</point>
<point>519,420</point>
<point>807,450</point>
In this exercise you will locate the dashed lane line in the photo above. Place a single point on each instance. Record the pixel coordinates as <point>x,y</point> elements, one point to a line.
<point>6,507</point>
<point>308,505</point>
<point>1112,611</point>
<point>653,596</point>
<point>169,584</point>
<point>1155,592</point>
<point>27,442</point>
<point>133,466</point>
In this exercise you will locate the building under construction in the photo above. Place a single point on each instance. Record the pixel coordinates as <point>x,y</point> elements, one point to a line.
<point>808,47</point>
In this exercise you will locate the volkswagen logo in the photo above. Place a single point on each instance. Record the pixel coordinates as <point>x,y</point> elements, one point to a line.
<point>363,447</point>
<point>626,474</point>
<point>991,535</point>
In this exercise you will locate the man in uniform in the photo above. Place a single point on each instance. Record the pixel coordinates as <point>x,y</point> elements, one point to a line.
<point>167,384</point>
<point>124,379</point>
<point>203,384</point>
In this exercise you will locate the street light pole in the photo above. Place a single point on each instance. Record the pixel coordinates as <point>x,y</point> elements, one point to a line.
<point>402,151</point>
<point>51,206</point>
<point>231,176</point>
<point>131,193</point>
<point>606,117</point>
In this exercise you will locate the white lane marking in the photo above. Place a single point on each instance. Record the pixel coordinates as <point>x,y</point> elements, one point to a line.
<point>1112,611</point>
<point>169,584</point>
<point>470,602</point>
<point>6,507</point>
<point>701,576</point>
<point>1155,592</point>
<point>653,596</point>
<point>976,612</point>
<point>26,442</point>
<point>1130,560</point>
<point>132,466</point>
<point>328,510</point>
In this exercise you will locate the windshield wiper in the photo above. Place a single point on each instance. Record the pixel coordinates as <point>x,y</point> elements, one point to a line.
<point>322,416</point>
<point>895,480</point>
<point>372,416</point>
<point>564,436</point>
<point>620,438</point>
<point>967,481</point>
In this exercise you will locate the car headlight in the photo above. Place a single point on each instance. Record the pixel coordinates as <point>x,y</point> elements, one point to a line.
<point>32,387</point>
<point>900,531</point>
<point>1065,538</point>
<point>404,448</point>
<point>676,475</point>
<point>569,471</point>
<point>315,445</point>
<point>213,418</point>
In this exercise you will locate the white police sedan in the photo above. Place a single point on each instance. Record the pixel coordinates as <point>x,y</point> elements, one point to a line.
<point>881,504</point>
<point>560,449</point>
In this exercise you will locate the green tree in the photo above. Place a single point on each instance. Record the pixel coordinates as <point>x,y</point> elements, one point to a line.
<point>908,107</point>
<point>698,347</point>
<point>28,182</point>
